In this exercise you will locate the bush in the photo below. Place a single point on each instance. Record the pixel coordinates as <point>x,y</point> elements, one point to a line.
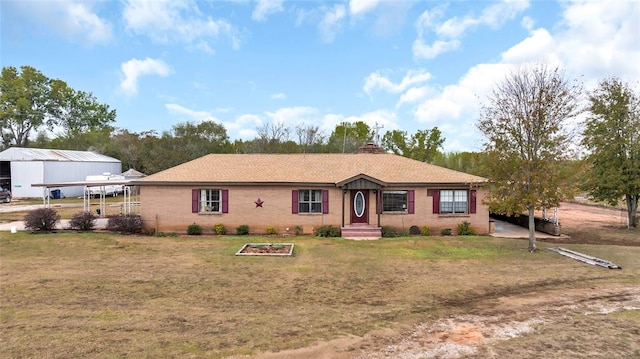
<point>242,230</point>
<point>194,230</point>
<point>170,234</point>
<point>414,230</point>
<point>388,232</point>
<point>84,221</point>
<point>446,232</point>
<point>271,230</point>
<point>327,231</point>
<point>425,231</point>
<point>219,229</point>
<point>125,223</point>
<point>298,230</point>
<point>464,229</point>
<point>41,219</point>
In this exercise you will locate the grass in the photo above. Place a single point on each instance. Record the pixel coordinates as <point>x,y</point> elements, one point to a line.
<point>105,295</point>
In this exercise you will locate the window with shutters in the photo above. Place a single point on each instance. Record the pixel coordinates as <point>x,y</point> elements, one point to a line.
<point>309,201</point>
<point>453,201</point>
<point>210,201</point>
<point>394,201</point>
<point>398,201</point>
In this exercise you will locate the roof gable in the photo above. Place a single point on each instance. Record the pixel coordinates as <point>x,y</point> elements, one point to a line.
<point>316,168</point>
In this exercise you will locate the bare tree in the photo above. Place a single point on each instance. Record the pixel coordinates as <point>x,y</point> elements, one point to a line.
<point>528,137</point>
<point>308,136</point>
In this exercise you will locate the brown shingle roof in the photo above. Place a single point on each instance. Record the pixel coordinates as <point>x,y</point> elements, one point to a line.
<point>306,168</point>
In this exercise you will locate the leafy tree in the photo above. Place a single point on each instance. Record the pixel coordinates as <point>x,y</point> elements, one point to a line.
<point>25,104</point>
<point>347,137</point>
<point>468,162</point>
<point>612,137</point>
<point>423,145</point>
<point>527,141</point>
<point>78,112</point>
<point>29,101</point>
<point>196,140</point>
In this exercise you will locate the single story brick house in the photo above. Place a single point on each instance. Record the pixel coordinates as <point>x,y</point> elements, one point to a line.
<point>360,193</point>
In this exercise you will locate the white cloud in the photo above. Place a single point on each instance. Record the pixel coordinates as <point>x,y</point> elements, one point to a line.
<point>331,23</point>
<point>413,95</point>
<point>493,16</point>
<point>293,115</point>
<point>537,47</point>
<point>421,50</point>
<point>82,21</point>
<point>279,96</point>
<point>598,39</point>
<point>449,32</point>
<point>357,7</point>
<point>528,23</point>
<point>266,7</point>
<point>175,21</point>
<point>377,81</point>
<point>191,115</point>
<point>76,20</point>
<point>135,68</point>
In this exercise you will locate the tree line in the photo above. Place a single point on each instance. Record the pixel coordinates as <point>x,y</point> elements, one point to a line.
<point>528,154</point>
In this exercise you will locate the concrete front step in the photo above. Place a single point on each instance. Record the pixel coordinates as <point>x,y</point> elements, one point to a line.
<point>361,232</point>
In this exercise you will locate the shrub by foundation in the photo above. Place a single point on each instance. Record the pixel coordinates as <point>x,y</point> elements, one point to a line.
<point>327,231</point>
<point>219,229</point>
<point>194,230</point>
<point>242,230</point>
<point>464,229</point>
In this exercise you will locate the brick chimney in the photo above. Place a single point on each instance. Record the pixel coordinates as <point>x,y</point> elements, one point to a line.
<point>370,148</point>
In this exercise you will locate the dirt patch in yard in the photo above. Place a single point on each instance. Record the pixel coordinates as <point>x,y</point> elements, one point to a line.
<point>590,322</point>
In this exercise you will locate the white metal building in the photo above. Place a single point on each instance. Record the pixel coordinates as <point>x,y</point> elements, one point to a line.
<point>22,167</point>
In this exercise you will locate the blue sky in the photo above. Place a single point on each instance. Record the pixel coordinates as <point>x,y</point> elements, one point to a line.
<point>406,65</point>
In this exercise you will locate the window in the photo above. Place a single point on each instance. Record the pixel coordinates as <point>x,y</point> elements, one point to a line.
<point>453,201</point>
<point>209,201</point>
<point>394,201</point>
<point>398,201</point>
<point>309,201</point>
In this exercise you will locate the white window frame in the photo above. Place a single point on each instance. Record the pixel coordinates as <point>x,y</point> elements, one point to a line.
<point>454,201</point>
<point>208,202</point>
<point>313,205</point>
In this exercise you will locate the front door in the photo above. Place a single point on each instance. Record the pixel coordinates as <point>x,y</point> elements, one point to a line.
<point>360,206</point>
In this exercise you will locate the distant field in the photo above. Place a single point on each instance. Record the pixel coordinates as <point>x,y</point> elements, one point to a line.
<point>104,295</point>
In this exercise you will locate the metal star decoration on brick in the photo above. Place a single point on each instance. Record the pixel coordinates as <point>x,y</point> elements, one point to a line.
<point>259,203</point>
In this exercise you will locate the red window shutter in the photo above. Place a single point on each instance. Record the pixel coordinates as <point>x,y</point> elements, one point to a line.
<point>325,201</point>
<point>225,201</point>
<point>436,201</point>
<point>294,201</point>
<point>412,201</point>
<point>472,201</point>
<point>195,208</point>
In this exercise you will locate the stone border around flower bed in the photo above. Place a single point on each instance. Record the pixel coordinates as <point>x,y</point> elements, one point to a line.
<point>257,245</point>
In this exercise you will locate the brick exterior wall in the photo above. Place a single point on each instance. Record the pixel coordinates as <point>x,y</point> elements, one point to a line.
<point>168,209</point>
